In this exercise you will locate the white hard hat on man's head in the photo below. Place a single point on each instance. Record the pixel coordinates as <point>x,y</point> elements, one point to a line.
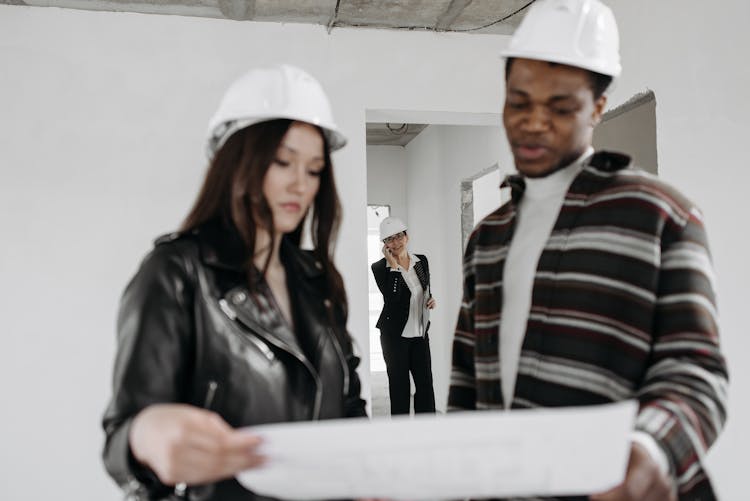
<point>581,33</point>
<point>391,226</point>
<point>262,94</point>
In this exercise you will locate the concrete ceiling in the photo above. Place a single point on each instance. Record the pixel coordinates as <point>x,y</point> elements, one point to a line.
<point>465,16</point>
<point>471,16</point>
<point>392,134</point>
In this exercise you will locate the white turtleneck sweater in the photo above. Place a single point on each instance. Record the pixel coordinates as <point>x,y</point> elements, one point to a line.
<point>537,214</point>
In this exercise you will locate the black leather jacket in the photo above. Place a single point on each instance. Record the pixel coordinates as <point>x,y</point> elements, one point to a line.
<point>190,330</point>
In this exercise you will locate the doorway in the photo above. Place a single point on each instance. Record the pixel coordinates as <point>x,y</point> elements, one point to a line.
<point>419,180</point>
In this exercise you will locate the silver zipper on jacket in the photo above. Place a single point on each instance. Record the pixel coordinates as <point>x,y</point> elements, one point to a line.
<point>342,359</point>
<point>339,352</point>
<point>228,311</point>
<point>210,393</point>
<point>231,313</point>
<point>180,489</point>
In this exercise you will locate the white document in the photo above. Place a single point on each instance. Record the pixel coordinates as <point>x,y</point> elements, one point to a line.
<point>564,451</point>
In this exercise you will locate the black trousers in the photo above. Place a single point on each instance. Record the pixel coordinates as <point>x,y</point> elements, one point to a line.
<point>403,355</point>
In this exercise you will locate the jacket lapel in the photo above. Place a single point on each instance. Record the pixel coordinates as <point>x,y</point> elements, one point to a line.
<point>223,248</point>
<point>421,274</point>
<point>258,311</point>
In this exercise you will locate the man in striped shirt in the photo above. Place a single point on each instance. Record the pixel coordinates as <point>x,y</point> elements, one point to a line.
<point>594,283</point>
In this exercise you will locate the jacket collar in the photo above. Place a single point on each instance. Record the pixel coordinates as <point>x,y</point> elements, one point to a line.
<point>418,269</point>
<point>413,260</point>
<point>601,162</point>
<point>222,247</point>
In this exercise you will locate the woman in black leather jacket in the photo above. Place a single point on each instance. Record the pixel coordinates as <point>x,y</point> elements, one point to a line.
<point>228,322</point>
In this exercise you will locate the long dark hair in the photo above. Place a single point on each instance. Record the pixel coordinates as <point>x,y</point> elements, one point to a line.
<point>232,192</point>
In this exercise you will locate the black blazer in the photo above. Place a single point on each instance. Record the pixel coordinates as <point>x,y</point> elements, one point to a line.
<point>396,295</point>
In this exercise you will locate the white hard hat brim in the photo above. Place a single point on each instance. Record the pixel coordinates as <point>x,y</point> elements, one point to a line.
<point>335,139</point>
<point>604,69</point>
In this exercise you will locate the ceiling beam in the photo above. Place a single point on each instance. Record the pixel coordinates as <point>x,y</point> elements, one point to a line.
<point>238,10</point>
<point>454,10</point>
<point>334,17</point>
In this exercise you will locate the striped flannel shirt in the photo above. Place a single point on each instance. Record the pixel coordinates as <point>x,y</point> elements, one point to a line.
<point>622,307</point>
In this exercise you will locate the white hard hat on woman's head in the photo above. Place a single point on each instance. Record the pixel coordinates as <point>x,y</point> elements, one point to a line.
<point>390,226</point>
<point>581,33</point>
<point>269,93</point>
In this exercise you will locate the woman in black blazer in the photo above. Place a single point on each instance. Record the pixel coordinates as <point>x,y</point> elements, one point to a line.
<point>404,280</point>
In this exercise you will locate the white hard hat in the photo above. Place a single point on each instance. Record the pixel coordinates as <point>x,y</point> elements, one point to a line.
<point>581,33</point>
<point>390,226</point>
<point>262,94</point>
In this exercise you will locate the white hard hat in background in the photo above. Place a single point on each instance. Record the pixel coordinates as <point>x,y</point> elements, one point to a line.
<point>390,226</point>
<point>262,94</point>
<point>581,33</point>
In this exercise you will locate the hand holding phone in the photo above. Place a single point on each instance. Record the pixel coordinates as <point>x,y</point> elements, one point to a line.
<point>389,257</point>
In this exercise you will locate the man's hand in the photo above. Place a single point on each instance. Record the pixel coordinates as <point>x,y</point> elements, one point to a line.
<point>182,443</point>
<point>431,303</point>
<point>644,481</point>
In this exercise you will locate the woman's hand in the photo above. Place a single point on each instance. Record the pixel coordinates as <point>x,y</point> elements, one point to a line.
<point>182,443</point>
<point>431,303</point>
<point>389,257</point>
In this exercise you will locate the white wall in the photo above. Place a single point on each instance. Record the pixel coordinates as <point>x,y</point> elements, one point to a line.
<point>102,117</point>
<point>693,57</point>
<point>439,158</point>
<point>386,179</point>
